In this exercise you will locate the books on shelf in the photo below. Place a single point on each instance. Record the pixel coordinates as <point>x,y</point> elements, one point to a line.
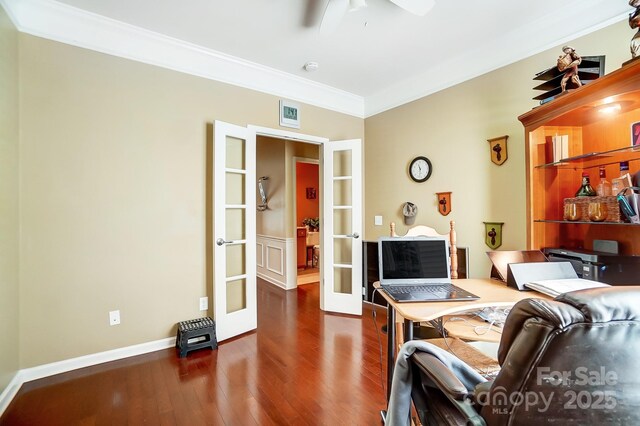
<point>560,147</point>
<point>557,287</point>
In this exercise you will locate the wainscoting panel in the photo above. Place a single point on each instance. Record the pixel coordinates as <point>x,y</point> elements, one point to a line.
<point>259,255</point>
<point>272,261</point>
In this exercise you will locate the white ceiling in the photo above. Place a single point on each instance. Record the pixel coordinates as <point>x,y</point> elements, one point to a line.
<point>381,53</point>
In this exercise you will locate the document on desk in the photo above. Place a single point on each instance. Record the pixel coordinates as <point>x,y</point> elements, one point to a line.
<point>554,288</point>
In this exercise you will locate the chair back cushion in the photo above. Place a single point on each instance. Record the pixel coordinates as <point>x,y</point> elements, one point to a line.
<point>574,358</point>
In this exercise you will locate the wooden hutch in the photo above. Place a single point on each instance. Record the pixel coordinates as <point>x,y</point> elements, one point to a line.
<point>596,138</point>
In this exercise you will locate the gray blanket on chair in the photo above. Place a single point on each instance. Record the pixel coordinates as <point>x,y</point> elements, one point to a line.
<point>399,409</point>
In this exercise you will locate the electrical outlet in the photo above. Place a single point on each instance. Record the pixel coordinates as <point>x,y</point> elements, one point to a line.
<point>204,303</point>
<point>114,317</point>
<point>377,220</point>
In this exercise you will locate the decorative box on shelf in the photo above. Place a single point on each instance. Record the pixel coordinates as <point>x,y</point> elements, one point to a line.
<point>592,209</point>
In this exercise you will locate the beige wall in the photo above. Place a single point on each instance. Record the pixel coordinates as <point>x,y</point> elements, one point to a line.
<point>451,128</point>
<point>113,194</point>
<point>270,159</point>
<point>9,221</point>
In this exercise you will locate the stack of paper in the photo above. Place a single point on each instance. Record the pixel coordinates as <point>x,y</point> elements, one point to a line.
<point>554,288</point>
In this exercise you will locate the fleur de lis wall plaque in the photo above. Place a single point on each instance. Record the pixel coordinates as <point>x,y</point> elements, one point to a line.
<point>493,234</point>
<point>444,203</point>
<point>498,147</point>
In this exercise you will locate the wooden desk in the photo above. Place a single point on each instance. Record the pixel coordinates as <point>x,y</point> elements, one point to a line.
<point>492,293</point>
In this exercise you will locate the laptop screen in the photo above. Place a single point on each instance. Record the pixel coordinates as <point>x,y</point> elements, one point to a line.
<point>411,260</point>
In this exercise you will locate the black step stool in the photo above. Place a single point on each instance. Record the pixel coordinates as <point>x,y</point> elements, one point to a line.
<point>194,329</point>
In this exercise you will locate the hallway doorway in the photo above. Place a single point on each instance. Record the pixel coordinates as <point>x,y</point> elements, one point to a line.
<point>307,219</point>
<point>288,229</point>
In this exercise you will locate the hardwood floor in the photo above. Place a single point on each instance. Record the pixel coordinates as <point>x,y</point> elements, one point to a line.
<point>301,367</point>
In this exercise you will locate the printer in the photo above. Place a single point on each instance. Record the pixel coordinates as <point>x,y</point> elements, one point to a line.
<point>609,268</point>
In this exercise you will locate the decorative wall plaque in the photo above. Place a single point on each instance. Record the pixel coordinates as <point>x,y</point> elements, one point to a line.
<point>444,203</point>
<point>493,234</point>
<point>498,147</point>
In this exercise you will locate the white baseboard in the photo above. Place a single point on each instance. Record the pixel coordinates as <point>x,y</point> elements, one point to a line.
<point>10,392</point>
<point>272,280</point>
<point>46,370</point>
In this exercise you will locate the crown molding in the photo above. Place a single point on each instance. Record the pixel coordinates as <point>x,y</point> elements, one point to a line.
<point>67,24</point>
<point>458,69</point>
<point>60,22</point>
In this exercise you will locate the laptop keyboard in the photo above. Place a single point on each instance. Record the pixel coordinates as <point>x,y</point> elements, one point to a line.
<point>421,288</point>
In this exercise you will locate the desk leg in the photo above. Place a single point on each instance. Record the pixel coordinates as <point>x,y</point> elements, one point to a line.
<point>408,330</point>
<point>391,346</point>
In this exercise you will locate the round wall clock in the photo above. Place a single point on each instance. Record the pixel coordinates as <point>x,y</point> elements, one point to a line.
<point>420,169</point>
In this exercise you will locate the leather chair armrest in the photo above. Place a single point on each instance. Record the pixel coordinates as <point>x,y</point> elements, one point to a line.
<point>441,376</point>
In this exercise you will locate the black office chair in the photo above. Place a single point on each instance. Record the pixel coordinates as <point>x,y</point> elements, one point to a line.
<point>574,360</point>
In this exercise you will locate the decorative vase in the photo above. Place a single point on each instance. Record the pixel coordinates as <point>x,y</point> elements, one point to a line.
<point>571,212</point>
<point>597,212</point>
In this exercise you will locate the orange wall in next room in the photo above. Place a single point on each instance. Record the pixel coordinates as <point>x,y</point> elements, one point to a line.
<point>307,176</point>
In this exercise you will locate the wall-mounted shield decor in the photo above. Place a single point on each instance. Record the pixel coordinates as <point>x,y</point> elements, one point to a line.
<point>444,203</point>
<point>493,234</point>
<point>498,149</point>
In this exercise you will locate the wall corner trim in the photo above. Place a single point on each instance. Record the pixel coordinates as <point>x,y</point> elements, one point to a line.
<point>29,374</point>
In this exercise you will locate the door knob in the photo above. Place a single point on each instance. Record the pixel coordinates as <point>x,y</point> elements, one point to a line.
<point>221,241</point>
<point>354,235</point>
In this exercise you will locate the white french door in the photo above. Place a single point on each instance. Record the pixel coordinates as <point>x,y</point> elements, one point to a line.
<point>342,227</point>
<point>234,238</point>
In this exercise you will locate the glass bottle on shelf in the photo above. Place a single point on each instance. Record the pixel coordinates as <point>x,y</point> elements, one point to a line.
<point>586,190</point>
<point>604,187</point>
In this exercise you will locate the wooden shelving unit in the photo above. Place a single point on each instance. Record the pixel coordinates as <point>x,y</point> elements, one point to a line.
<point>595,139</point>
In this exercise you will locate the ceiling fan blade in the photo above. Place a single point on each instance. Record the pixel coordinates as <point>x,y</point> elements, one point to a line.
<point>333,14</point>
<point>312,13</point>
<point>417,7</point>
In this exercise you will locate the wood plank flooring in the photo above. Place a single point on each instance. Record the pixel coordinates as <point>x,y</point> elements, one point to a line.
<point>301,367</point>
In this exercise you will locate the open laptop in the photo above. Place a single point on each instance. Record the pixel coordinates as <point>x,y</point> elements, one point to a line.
<point>417,269</point>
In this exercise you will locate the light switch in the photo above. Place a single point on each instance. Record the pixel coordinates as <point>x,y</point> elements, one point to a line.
<point>377,220</point>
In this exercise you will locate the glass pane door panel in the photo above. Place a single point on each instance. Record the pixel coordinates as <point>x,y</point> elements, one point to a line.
<point>236,295</point>
<point>236,260</point>
<point>342,250</point>
<point>235,193</point>
<point>342,280</point>
<point>342,223</point>
<point>235,153</point>
<point>235,226</point>
<point>341,163</point>
<point>342,192</point>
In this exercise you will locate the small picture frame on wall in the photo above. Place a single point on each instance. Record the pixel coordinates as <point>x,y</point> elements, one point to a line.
<point>289,114</point>
<point>635,134</point>
<point>311,194</point>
